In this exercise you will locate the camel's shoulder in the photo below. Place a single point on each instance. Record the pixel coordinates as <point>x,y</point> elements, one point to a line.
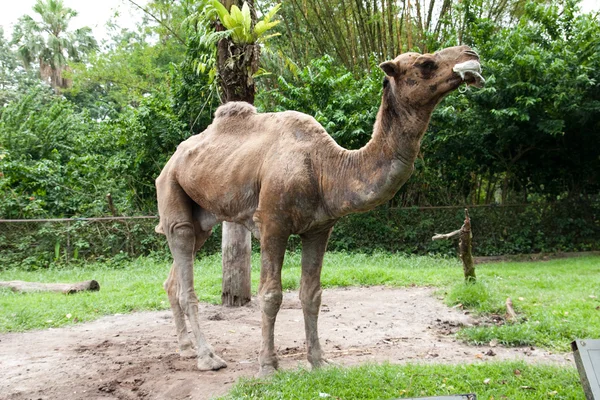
<point>298,118</point>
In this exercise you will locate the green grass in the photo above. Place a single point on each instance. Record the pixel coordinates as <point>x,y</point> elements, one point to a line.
<point>556,301</point>
<point>134,286</point>
<point>508,380</point>
<point>137,285</point>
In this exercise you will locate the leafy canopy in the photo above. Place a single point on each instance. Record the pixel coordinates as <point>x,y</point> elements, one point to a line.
<point>48,42</point>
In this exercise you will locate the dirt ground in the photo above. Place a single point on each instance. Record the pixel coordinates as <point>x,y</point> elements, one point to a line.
<point>135,356</point>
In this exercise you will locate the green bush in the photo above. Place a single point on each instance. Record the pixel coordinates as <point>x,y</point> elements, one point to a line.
<point>344,105</point>
<point>568,225</point>
<point>558,227</point>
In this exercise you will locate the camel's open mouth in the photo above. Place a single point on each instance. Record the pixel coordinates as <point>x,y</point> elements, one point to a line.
<point>470,73</point>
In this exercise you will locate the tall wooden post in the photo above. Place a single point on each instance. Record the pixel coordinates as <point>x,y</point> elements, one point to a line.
<point>236,65</point>
<point>237,250</point>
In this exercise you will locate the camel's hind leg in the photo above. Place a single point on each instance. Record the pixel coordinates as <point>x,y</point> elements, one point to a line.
<point>185,237</point>
<point>186,347</point>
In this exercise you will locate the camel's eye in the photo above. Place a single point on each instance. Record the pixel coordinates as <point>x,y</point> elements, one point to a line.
<point>427,67</point>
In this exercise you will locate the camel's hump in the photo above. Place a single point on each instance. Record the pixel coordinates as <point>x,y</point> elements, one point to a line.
<point>235,109</point>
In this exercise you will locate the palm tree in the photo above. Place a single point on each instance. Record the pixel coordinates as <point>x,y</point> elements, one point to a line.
<point>48,43</point>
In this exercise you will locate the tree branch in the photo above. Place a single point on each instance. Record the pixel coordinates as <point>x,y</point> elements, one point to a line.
<point>159,21</point>
<point>66,288</point>
<point>439,236</point>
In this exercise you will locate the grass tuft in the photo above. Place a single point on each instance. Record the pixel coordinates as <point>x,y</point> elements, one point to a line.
<point>475,295</point>
<point>513,380</point>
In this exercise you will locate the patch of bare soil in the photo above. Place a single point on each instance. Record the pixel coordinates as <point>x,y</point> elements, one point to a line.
<point>135,356</point>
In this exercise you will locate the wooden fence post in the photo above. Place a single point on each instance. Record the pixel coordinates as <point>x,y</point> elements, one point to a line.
<point>464,246</point>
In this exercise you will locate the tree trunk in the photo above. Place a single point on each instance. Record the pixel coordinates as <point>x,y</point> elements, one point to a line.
<point>237,250</point>
<point>66,288</point>
<point>236,66</point>
<point>464,249</point>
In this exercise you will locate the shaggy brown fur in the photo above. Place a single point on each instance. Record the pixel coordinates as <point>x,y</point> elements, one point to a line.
<point>280,174</point>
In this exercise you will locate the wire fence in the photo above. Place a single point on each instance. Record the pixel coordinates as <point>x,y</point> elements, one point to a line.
<point>42,242</point>
<point>75,219</point>
<point>123,218</point>
<point>498,229</point>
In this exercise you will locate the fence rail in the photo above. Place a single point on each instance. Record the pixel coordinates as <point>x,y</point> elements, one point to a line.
<point>572,225</point>
<point>122,218</point>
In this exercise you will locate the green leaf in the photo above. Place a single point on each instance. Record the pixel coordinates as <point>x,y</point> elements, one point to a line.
<point>261,72</point>
<point>200,68</point>
<point>228,22</point>
<point>247,18</point>
<point>212,74</point>
<point>221,11</point>
<point>272,12</point>
<point>237,16</point>
<point>238,35</point>
<point>267,37</point>
<point>262,26</point>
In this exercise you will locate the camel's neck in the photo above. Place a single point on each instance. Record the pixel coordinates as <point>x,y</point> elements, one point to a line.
<point>366,178</point>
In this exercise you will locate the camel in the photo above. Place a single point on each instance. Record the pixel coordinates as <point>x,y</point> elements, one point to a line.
<point>279,174</point>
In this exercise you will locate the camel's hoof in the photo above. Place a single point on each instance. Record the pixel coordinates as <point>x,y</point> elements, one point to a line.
<point>266,371</point>
<point>186,348</point>
<point>188,352</point>
<point>211,362</point>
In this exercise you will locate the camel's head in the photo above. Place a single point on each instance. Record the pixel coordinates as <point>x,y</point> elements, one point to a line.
<point>424,79</point>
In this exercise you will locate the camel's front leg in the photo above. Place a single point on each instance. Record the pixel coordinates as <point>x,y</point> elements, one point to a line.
<point>313,250</point>
<point>270,297</point>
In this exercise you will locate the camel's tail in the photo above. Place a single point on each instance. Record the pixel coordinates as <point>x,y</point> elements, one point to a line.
<point>159,229</point>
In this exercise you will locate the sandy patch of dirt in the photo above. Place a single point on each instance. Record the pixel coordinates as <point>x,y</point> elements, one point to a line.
<point>134,356</point>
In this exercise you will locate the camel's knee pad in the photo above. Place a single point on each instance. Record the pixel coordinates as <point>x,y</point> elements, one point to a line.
<point>270,303</point>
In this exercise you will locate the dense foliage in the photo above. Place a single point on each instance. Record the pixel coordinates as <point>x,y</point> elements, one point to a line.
<point>344,105</point>
<point>528,137</point>
<point>531,131</point>
<point>513,140</point>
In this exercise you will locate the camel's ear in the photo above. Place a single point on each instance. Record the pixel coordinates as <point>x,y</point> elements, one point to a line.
<point>389,67</point>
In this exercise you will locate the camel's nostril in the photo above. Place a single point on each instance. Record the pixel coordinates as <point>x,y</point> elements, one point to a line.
<point>471,53</point>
